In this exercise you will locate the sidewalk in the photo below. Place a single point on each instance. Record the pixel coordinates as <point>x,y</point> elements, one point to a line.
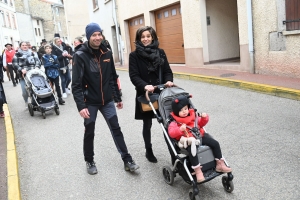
<point>272,85</point>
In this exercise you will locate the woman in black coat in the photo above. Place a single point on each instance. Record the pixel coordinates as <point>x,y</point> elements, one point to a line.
<point>144,65</point>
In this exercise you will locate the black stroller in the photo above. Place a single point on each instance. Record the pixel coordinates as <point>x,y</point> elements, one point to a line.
<point>180,158</point>
<point>40,92</point>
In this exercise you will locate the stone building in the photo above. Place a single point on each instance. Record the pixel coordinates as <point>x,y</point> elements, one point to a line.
<point>40,19</point>
<point>242,35</point>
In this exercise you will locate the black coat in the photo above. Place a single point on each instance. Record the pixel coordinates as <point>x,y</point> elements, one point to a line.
<point>63,61</point>
<point>94,80</point>
<point>1,86</point>
<point>139,76</point>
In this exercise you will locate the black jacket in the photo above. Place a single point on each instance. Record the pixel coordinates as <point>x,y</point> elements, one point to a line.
<point>94,80</point>
<point>139,76</point>
<point>63,61</point>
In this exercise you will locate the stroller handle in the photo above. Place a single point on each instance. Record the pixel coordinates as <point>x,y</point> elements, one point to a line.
<point>161,87</point>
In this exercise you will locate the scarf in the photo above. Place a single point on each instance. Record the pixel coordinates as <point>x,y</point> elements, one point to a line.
<point>151,53</point>
<point>59,47</point>
<point>26,53</point>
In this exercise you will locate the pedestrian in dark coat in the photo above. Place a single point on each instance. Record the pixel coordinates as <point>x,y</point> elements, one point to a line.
<point>2,94</point>
<point>144,65</point>
<point>95,88</point>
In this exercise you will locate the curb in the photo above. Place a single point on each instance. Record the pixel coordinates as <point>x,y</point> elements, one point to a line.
<point>13,184</point>
<point>261,88</point>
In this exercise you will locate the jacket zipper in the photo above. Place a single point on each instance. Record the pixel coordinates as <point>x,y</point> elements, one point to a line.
<point>100,71</point>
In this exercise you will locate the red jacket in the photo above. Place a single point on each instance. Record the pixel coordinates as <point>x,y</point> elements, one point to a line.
<point>9,56</point>
<point>174,127</point>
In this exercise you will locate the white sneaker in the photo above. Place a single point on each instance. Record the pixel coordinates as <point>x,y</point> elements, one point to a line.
<point>64,95</point>
<point>68,91</point>
<point>26,105</point>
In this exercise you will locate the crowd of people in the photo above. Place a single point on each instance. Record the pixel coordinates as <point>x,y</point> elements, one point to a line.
<point>148,66</point>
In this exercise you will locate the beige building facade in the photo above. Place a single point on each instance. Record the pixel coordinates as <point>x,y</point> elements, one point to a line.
<point>231,34</point>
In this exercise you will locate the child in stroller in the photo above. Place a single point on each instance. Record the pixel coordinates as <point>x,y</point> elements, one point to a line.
<point>181,164</point>
<point>180,129</point>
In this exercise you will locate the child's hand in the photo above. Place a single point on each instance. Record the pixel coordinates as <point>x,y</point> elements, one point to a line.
<point>183,127</point>
<point>203,114</point>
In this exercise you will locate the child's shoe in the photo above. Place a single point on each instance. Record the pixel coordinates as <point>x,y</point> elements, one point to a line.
<point>2,115</point>
<point>221,166</point>
<point>199,174</point>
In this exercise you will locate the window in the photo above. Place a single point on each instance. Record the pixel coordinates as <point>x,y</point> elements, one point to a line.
<point>159,16</point>
<point>58,26</point>
<point>11,3</point>
<point>8,19</point>
<point>57,11</point>
<point>5,1</point>
<point>14,22</point>
<point>35,31</point>
<point>3,18</point>
<point>37,22</point>
<point>39,31</point>
<point>166,14</point>
<point>174,11</point>
<point>292,15</point>
<point>95,4</point>
<point>141,21</point>
<point>136,22</point>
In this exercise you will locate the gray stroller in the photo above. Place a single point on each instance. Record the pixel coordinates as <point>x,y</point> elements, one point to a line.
<point>180,159</point>
<point>40,92</point>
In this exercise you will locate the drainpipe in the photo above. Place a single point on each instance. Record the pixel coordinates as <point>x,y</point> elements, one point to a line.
<point>250,35</point>
<point>117,32</point>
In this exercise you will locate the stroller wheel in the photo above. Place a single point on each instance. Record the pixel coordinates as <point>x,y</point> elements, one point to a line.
<point>168,175</point>
<point>44,115</point>
<point>56,111</point>
<point>191,195</point>
<point>30,108</point>
<point>228,185</point>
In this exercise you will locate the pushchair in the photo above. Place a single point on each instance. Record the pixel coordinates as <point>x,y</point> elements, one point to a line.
<point>180,159</point>
<point>40,93</point>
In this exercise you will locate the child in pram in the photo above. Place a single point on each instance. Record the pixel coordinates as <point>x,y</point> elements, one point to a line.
<point>184,120</point>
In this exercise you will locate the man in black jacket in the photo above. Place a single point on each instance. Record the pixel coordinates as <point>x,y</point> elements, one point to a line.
<point>94,87</point>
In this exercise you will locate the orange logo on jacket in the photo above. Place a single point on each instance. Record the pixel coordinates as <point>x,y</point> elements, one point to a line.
<point>106,60</point>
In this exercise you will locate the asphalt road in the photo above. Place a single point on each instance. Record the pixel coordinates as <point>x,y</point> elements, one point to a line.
<point>258,133</point>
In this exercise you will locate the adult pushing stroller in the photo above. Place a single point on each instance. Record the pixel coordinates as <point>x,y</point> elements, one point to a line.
<point>40,93</point>
<point>180,159</point>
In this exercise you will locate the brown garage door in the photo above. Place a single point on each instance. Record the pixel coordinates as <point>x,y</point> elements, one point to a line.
<point>134,24</point>
<point>169,31</point>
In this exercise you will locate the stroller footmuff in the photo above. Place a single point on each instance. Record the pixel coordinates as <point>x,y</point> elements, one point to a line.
<point>40,93</point>
<point>180,157</point>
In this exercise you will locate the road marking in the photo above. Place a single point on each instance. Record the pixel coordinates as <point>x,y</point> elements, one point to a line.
<point>13,183</point>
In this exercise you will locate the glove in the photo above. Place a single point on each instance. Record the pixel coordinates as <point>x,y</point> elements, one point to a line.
<point>64,71</point>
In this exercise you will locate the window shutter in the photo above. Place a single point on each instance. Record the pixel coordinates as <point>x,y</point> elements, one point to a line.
<point>292,14</point>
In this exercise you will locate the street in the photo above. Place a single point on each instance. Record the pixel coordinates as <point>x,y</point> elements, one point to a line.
<point>258,134</point>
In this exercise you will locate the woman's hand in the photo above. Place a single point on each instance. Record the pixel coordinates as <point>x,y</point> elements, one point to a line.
<point>24,71</point>
<point>149,88</point>
<point>169,84</point>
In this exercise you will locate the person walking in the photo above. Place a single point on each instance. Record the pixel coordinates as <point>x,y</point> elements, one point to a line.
<point>64,59</point>
<point>8,55</point>
<point>2,94</point>
<point>24,61</point>
<point>148,66</point>
<point>94,87</point>
<point>77,43</point>
<point>51,65</point>
<point>41,50</point>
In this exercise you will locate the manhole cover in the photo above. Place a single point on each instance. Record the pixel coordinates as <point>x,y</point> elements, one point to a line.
<point>227,75</point>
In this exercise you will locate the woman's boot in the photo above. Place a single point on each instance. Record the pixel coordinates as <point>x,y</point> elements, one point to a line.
<point>221,166</point>
<point>150,156</point>
<point>199,174</point>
